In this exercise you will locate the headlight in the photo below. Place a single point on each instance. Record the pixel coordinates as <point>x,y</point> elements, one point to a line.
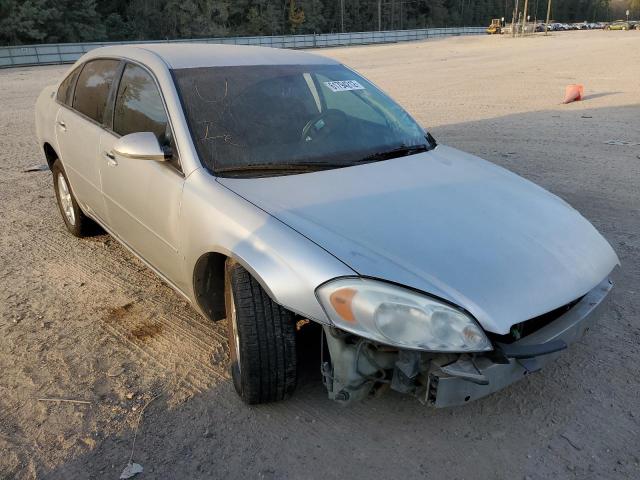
<point>398,316</point>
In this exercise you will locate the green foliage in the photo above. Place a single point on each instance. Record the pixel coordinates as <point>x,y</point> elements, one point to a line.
<point>25,22</point>
<point>75,21</point>
<point>48,21</point>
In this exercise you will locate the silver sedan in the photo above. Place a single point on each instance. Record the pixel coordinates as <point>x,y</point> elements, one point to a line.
<point>284,192</point>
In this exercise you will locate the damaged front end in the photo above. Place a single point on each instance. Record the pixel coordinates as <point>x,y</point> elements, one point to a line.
<point>359,367</point>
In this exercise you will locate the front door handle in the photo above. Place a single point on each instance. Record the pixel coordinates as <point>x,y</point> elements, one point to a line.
<point>62,125</point>
<point>111,159</point>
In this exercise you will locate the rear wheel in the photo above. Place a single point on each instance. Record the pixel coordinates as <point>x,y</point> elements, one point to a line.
<point>262,340</point>
<point>76,221</point>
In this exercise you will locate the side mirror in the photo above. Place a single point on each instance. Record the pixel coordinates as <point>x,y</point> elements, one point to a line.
<point>140,146</point>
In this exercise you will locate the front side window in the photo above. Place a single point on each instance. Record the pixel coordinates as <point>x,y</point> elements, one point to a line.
<point>92,89</point>
<point>65,90</point>
<point>139,108</point>
<point>248,120</point>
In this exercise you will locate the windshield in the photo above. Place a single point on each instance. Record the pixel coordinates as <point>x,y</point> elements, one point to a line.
<point>282,119</point>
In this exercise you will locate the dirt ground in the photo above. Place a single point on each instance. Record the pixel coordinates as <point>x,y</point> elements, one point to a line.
<point>84,320</point>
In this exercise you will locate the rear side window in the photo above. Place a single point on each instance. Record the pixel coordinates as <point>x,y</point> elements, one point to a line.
<point>93,86</point>
<point>65,90</point>
<point>139,106</point>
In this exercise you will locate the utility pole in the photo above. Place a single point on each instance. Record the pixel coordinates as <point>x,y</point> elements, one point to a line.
<point>514,19</point>
<point>379,15</point>
<point>546,25</point>
<point>524,18</point>
<point>392,15</point>
<point>342,16</point>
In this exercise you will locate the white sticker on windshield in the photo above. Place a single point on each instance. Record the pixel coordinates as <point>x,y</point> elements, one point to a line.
<point>343,85</point>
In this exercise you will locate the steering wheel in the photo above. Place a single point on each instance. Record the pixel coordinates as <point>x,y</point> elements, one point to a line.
<point>323,124</point>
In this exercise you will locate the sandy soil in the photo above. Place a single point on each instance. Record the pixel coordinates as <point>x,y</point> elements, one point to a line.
<point>83,319</point>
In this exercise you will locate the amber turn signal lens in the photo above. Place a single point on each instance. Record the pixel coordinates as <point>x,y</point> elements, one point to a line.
<point>341,303</point>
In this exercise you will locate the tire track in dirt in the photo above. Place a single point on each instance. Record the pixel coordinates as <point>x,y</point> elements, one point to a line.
<point>189,347</point>
<point>155,291</point>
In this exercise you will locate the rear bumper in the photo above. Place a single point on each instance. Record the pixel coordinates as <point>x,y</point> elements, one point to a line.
<point>446,391</point>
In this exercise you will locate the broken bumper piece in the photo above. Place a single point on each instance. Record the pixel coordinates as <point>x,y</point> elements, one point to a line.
<point>470,378</point>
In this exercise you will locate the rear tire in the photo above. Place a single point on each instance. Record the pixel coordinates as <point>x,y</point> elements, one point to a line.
<point>75,220</point>
<point>262,340</point>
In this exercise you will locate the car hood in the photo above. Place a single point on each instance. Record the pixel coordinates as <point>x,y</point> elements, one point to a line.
<point>449,224</point>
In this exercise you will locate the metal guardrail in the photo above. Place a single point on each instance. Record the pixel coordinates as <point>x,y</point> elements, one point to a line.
<point>56,53</point>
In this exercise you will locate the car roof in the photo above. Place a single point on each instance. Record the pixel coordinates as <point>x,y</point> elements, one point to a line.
<point>195,55</point>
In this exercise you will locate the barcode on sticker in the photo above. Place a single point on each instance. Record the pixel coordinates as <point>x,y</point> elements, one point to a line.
<point>343,85</point>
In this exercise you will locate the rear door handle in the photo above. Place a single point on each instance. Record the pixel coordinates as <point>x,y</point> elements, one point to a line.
<point>111,159</point>
<point>62,125</point>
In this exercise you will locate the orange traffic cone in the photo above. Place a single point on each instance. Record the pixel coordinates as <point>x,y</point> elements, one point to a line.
<point>573,93</point>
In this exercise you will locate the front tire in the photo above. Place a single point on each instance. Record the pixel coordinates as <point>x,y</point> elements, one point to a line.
<point>262,340</point>
<point>75,220</point>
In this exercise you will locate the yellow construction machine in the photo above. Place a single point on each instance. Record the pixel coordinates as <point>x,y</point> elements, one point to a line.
<point>495,27</point>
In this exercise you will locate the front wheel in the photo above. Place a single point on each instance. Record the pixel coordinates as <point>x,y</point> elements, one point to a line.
<point>262,340</point>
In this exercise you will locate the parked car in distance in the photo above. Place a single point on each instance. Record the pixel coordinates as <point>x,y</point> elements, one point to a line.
<point>283,191</point>
<point>557,27</point>
<point>618,25</point>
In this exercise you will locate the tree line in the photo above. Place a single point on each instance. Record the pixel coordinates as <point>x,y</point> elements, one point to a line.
<point>57,21</point>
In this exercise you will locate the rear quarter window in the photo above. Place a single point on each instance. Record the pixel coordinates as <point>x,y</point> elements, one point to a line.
<point>92,88</point>
<point>65,90</point>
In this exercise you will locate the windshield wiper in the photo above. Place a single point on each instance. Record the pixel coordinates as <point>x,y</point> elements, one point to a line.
<point>294,167</point>
<point>401,151</point>
<point>304,166</point>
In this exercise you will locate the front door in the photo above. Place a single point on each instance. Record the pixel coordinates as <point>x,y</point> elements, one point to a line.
<point>143,197</point>
<point>79,128</point>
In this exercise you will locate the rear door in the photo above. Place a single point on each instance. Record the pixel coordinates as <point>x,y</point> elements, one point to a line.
<point>79,127</point>
<point>143,197</point>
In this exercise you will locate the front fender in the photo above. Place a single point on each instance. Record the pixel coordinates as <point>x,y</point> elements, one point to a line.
<point>288,265</point>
